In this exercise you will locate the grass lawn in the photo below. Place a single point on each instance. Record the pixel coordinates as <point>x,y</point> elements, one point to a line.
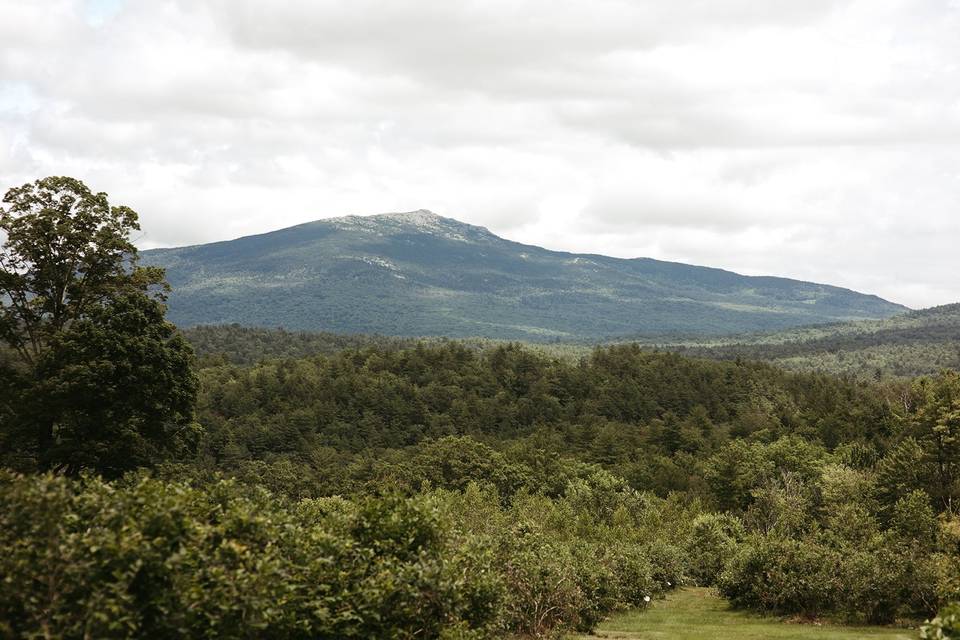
<point>699,614</point>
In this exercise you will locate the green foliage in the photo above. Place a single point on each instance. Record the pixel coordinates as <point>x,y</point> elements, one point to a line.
<point>484,491</point>
<point>147,558</point>
<point>566,564</point>
<point>829,488</point>
<point>914,519</point>
<point>651,418</point>
<point>94,377</point>
<point>946,626</point>
<point>714,539</point>
<point>65,250</point>
<point>814,578</point>
<point>150,559</point>
<point>236,344</point>
<point>906,345</point>
<point>782,575</point>
<point>836,560</point>
<point>947,560</point>
<point>119,388</point>
<point>864,542</point>
<point>936,426</point>
<point>739,470</point>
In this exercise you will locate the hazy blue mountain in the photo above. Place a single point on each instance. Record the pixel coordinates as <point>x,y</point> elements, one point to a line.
<point>418,273</point>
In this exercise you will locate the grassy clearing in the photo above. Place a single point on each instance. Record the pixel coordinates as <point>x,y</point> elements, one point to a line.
<point>699,614</point>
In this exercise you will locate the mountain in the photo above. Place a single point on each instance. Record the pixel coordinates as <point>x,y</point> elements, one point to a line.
<point>915,343</point>
<point>418,273</point>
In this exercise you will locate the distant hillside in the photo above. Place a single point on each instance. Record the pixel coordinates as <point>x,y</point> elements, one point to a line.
<point>236,344</point>
<point>914,343</point>
<point>419,274</point>
<point>911,344</point>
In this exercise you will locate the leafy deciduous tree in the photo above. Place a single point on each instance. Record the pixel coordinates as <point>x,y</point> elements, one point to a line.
<point>95,377</point>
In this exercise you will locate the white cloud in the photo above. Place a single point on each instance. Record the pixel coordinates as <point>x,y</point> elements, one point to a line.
<point>818,139</point>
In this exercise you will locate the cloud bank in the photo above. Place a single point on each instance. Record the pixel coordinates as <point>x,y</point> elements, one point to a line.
<point>818,140</point>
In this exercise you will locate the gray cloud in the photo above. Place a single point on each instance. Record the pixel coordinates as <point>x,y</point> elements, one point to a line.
<point>815,139</point>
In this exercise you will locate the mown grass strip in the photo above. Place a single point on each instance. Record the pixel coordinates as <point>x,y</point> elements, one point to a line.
<point>699,614</point>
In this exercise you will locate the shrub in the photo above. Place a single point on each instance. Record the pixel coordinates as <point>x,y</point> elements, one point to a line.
<point>154,559</point>
<point>946,626</point>
<point>875,582</point>
<point>565,564</point>
<point>545,597</point>
<point>713,542</point>
<point>150,558</point>
<point>885,581</point>
<point>783,576</point>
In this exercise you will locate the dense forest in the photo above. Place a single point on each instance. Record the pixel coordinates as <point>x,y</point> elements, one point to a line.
<point>904,346</point>
<point>908,345</point>
<point>284,485</point>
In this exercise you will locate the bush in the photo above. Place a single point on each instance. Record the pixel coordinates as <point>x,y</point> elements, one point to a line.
<point>946,626</point>
<point>783,576</point>
<point>154,559</point>
<point>150,558</point>
<point>884,582</point>
<point>565,564</point>
<point>713,542</point>
<point>876,582</point>
<point>545,597</point>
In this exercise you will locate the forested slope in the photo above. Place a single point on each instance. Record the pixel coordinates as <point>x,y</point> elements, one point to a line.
<point>420,274</point>
<point>911,344</point>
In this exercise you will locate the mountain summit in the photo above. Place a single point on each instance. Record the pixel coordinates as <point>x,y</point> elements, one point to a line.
<point>418,273</point>
<point>421,220</point>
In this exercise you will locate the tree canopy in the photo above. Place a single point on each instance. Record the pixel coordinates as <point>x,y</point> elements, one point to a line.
<point>95,378</point>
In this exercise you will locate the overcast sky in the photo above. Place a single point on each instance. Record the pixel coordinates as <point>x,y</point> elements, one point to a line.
<point>815,139</point>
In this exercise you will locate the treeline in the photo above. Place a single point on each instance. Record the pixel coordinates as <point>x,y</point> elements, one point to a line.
<point>237,344</point>
<point>653,418</point>
<point>919,343</point>
<point>914,344</point>
<point>840,341</point>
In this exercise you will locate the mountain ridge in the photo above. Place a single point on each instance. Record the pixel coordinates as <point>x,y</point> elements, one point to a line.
<point>418,273</point>
<point>408,216</point>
